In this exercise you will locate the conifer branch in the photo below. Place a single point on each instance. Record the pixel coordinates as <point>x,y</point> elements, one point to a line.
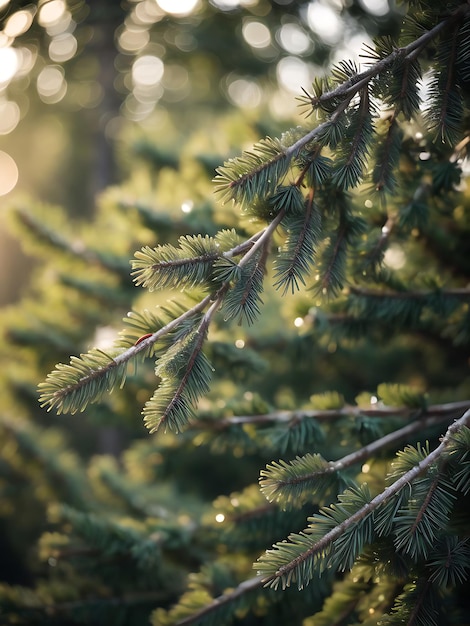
<point>70,388</point>
<point>447,410</point>
<point>311,476</point>
<point>351,87</point>
<point>247,586</point>
<point>462,293</point>
<point>272,567</point>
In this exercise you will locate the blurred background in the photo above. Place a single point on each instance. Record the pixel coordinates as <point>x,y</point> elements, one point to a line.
<point>91,93</point>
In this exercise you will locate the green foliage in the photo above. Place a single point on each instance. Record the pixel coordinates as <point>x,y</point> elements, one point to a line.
<point>339,263</point>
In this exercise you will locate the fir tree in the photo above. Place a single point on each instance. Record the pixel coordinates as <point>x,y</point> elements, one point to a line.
<point>335,449</point>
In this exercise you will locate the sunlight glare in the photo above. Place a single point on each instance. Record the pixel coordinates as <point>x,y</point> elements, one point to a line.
<point>179,8</point>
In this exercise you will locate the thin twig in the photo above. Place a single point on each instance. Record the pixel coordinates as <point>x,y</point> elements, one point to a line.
<point>373,410</point>
<point>417,294</point>
<point>227,598</point>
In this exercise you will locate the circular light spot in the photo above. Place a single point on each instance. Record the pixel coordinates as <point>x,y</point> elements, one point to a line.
<point>51,84</point>
<point>19,22</point>
<point>293,39</point>
<point>133,39</point>
<point>365,468</point>
<point>244,93</point>
<point>51,12</point>
<point>324,21</point>
<point>298,322</point>
<point>375,7</point>
<point>239,344</point>
<point>225,5</point>
<point>8,173</point>
<point>256,34</point>
<point>219,518</point>
<point>394,257</point>
<point>293,74</point>
<point>8,64</point>
<point>9,116</point>
<point>178,7</point>
<point>147,70</point>
<point>187,206</point>
<point>62,48</point>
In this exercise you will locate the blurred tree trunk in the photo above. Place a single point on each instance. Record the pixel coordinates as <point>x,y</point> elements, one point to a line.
<point>105,17</point>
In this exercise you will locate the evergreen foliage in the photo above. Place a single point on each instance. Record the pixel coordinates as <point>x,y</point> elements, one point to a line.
<point>357,228</point>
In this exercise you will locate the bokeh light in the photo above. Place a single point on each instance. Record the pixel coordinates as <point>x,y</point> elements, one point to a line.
<point>51,12</point>
<point>9,116</point>
<point>147,70</point>
<point>293,74</point>
<point>256,34</point>
<point>245,94</point>
<point>178,8</point>
<point>294,39</point>
<point>325,23</point>
<point>19,22</point>
<point>8,173</point>
<point>376,7</point>
<point>62,48</point>
<point>8,64</point>
<point>51,84</point>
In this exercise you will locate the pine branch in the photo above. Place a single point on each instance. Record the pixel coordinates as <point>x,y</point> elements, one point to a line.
<point>460,293</point>
<point>351,87</point>
<point>185,374</point>
<point>257,173</point>
<point>70,388</point>
<point>310,477</point>
<point>446,411</point>
<point>301,551</point>
<point>445,113</point>
<point>294,262</point>
<point>222,601</point>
